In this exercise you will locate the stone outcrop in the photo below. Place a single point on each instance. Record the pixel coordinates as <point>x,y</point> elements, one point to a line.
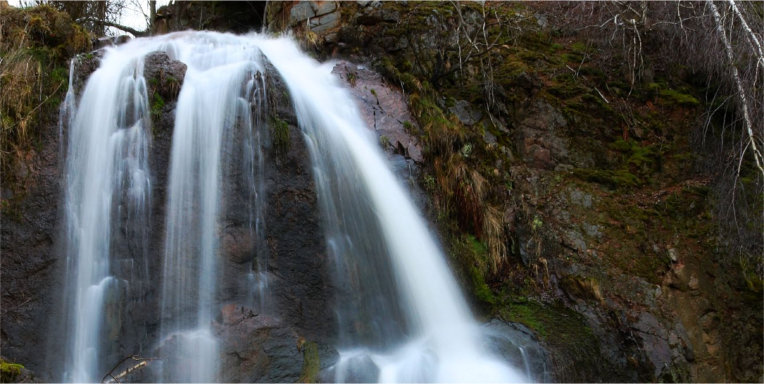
<point>596,220</point>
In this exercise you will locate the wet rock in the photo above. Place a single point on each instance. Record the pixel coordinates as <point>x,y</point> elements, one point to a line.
<point>323,7</point>
<point>295,240</point>
<point>238,244</point>
<point>356,369</point>
<point>301,11</point>
<point>654,342</point>
<point>255,347</point>
<point>84,65</point>
<point>325,22</point>
<point>164,76</point>
<point>227,16</point>
<point>383,108</point>
<point>517,345</point>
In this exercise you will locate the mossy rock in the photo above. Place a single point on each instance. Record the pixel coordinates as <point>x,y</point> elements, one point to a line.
<point>575,348</point>
<point>311,364</point>
<point>10,372</point>
<point>279,134</point>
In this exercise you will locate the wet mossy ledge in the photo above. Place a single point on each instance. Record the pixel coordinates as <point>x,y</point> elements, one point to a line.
<point>12,372</point>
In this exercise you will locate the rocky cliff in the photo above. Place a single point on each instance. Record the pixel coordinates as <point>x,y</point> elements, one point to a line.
<point>574,197</point>
<point>574,188</point>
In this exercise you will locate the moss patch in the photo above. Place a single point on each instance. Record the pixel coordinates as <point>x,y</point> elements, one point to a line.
<point>9,372</point>
<point>311,364</point>
<point>279,134</point>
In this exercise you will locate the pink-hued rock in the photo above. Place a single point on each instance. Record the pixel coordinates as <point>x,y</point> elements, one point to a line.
<point>382,107</point>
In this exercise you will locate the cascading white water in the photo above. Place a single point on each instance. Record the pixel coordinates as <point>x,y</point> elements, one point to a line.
<point>444,342</point>
<point>213,104</point>
<point>107,177</point>
<point>412,323</point>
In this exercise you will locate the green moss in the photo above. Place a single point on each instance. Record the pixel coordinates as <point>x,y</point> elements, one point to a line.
<point>157,104</point>
<point>536,224</point>
<point>311,363</point>
<point>578,47</point>
<point>279,134</point>
<point>669,96</point>
<point>9,372</point>
<point>472,255</point>
<point>479,287</point>
<point>678,97</point>
<point>552,323</point>
<point>352,77</point>
<point>617,179</point>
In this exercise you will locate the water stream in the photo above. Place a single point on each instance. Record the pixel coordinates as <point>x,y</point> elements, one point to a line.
<point>400,313</point>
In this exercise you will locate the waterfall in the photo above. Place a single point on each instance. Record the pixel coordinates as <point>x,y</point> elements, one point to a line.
<point>400,313</point>
<point>213,119</point>
<point>107,182</point>
<point>369,216</point>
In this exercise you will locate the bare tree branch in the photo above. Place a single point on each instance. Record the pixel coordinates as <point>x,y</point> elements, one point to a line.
<point>125,28</point>
<point>744,106</point>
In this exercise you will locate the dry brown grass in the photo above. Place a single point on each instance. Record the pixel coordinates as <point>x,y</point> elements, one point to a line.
<point>35,44</point>
<point>494,236</point>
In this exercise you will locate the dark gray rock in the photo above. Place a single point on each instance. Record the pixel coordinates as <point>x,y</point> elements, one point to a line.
<point>325,22</point>
<point>541,134</point>
<point>323,7</point>
<point>301,11</point>
<point>256,347</point>
<point>163,75</point>
<point>30,260</point>
<point>466,113</point>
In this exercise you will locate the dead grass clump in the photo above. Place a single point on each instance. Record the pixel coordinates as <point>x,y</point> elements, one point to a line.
<point>35,44</point>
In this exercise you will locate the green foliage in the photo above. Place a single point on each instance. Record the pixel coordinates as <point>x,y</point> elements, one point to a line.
<point>352,77</point>
<point>429,183</point>
<point>311,363</point>
<point>157,104</point>
<point>552,323</point>
<point>9,372</point>
<point>473,256</point>
<point>636,164</point>
<point>671,96</point>
<point>536,224</point>
<point>279,134</point>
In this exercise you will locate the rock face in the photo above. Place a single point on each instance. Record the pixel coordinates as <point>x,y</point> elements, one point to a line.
<point>383,108</point>
<point>595,220</point>
<point>227,16</point>
<point>30,260</point>
<point>621,278</point>
<point>317,16</point>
